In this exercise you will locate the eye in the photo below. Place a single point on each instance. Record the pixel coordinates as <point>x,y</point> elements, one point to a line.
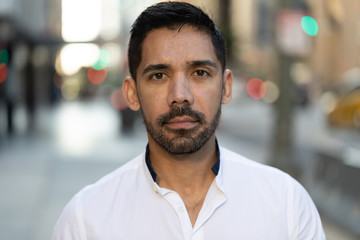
<point>201,73</point>
<point>157,76</point>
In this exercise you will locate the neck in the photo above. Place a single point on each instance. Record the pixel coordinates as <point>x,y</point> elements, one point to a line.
<point>184,172</point>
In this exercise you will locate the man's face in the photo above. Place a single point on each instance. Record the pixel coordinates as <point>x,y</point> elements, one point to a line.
<point>179,87</point>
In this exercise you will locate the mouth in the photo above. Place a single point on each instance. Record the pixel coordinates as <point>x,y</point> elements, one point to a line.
<point>184,122</point>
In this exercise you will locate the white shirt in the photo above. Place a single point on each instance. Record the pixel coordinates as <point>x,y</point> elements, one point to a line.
<point>246,200</point>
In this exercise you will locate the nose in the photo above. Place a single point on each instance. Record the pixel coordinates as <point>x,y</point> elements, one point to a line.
<point>180,91</point>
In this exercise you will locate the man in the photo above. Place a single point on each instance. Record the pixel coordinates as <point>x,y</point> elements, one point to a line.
<point>185,186</point>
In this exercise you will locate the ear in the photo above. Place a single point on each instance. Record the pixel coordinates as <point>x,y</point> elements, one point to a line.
<point>227,86</point>
<point>130,93</point>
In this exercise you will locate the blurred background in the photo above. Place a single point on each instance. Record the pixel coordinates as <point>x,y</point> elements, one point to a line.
<point>64,122</point>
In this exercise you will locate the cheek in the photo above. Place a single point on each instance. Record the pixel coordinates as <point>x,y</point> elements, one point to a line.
<point>152,105</point>
<point>208,102</point>
<point>209,97</point>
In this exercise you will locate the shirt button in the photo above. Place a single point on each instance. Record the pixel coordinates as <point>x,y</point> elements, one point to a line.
<point>181,209</point>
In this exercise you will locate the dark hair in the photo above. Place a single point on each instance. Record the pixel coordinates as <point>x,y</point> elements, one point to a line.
<point>172,15</point>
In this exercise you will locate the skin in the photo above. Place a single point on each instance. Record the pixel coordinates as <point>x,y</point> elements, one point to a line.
<point>180,68</point>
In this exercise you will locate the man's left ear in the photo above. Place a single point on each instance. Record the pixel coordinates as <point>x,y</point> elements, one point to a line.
<point>227,86</point>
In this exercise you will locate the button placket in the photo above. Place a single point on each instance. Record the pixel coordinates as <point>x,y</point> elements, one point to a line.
<point>198,235</point>
<point>214,199</point>
<point>179,207</point>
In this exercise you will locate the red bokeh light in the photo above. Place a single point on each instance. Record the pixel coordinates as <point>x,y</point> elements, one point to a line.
<point>3,72</point>
<point>118,100</point>
<point>97,76</point>
<point>256,88</point>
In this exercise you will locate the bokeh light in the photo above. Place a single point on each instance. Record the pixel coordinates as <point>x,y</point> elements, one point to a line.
<point>118,100</point>
<point>3,72</point>
<point>103,60</point>
<point>70,89</point>
<point>309,25</point>
<point>74,56</point>
<point>81,20</point>
<point>272,92</point>
<point>328,102</point>
<point>301,73</point>
<point>4,56</point>
<point>256,88</point>
<point>116,56</point>
<point>97,76</point>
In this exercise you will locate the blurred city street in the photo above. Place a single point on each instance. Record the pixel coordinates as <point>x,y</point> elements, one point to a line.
<point>64,122</point>
<point>78,142</point>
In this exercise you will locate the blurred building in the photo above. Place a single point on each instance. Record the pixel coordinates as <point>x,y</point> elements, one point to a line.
<point>30,32</point>
<point>331,54</point>
<point>338,43</point>
<point>33,38</point>
<point>38,19</point>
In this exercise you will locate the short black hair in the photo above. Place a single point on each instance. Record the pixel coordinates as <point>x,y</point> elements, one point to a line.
<point>172,15</point>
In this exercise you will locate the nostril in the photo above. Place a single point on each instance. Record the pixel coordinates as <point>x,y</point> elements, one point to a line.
<point>184,101</point>
<point>180,91</point>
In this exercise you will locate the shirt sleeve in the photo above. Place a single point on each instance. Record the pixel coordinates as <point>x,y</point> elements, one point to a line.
<point>303,216</point>
<point>67,227</point>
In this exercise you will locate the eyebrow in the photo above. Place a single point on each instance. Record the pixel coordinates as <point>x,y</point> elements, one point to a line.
<point>154,67</point>
<point>196,63</point>
<point>199,63</point>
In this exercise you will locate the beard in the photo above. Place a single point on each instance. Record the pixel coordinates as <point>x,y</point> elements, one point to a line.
<point>182,141</point>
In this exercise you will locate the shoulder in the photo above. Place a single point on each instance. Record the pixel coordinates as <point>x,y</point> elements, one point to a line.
<point>267,185</point>
<point>96,199</point>
<point>119,178</point>
<point>236,163</point>
<point>258,178</point>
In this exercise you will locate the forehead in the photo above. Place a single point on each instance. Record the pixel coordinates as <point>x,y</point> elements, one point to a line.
<point>176,45</point>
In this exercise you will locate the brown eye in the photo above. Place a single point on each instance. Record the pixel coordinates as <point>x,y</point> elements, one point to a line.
<point>157,76</point>
<point>201,73</point>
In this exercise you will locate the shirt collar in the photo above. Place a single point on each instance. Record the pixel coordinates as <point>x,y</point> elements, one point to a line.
<point>215,168</point>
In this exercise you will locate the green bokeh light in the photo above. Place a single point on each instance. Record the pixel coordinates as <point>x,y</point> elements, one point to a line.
<point>309,25</point>
<point>103,60</point>
<point>4,56</point>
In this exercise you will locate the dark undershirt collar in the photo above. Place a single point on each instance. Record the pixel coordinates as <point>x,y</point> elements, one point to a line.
<point>215,168</point>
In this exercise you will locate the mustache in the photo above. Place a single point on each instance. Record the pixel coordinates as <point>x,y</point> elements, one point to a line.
<point>177,111</point>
